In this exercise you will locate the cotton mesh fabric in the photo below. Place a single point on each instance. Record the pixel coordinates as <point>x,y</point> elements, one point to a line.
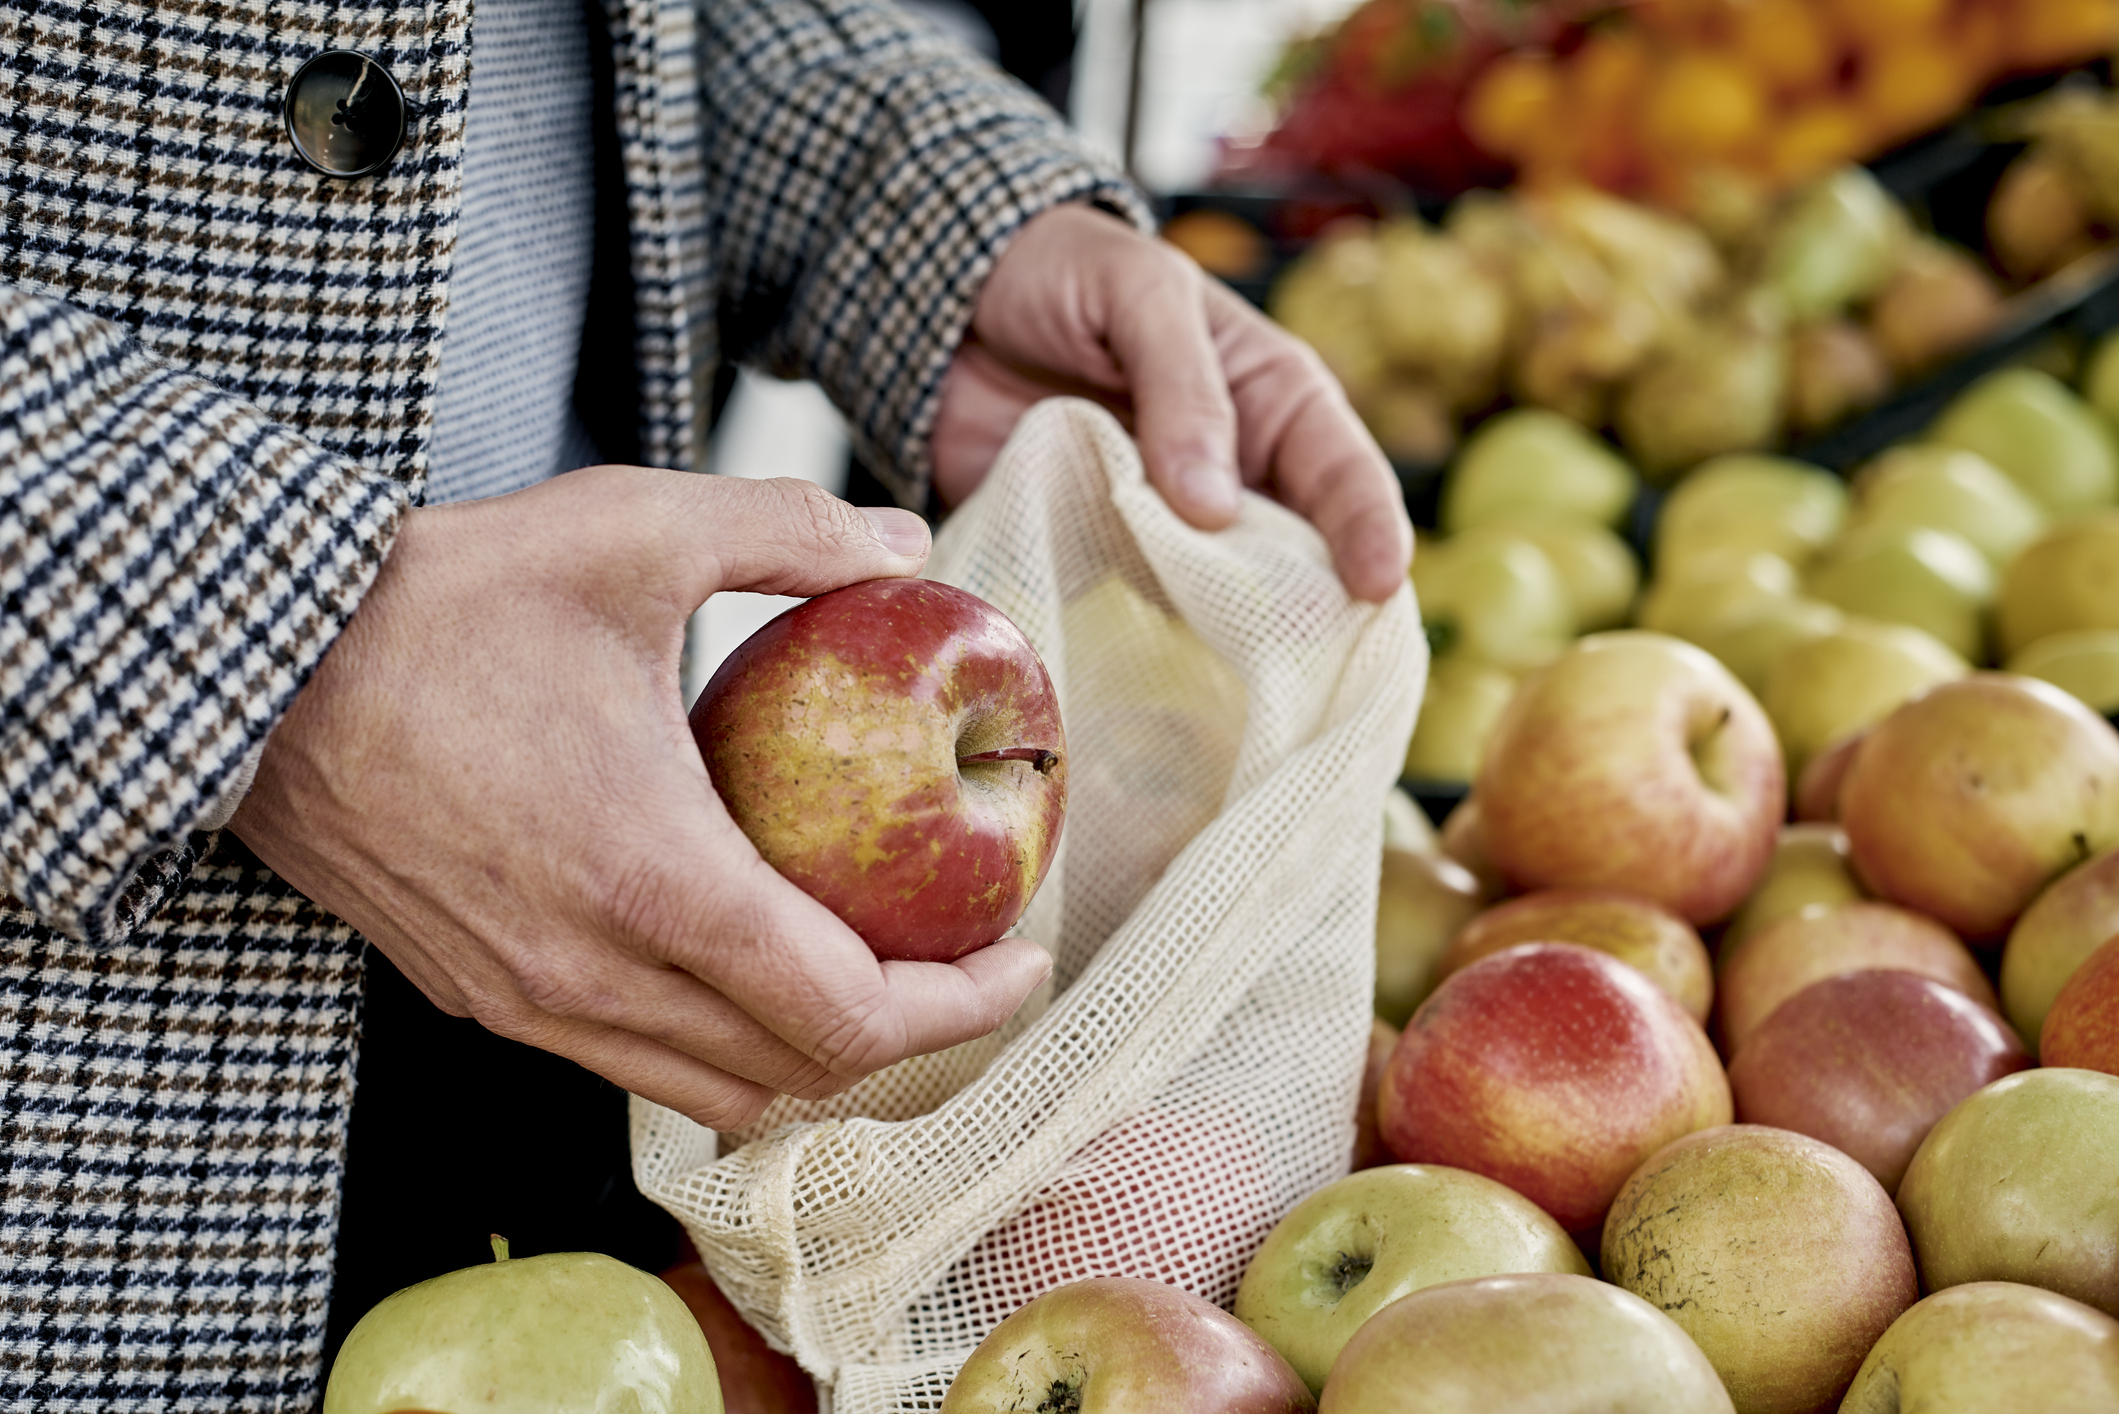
<point>1234,721</point>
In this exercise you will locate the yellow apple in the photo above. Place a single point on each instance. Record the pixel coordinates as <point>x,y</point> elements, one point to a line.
<point>1700,596</point>
<point>1749,502</point>
<point>1464,699</point>
<point>2057,933</point>
<point>1931,579</point>
<point>1947,488</point>
<point>1823,689</point>
<point>1530,464</point>
<point>1595,565</point>
<point>2043,437</point>
<point>2084,662</point>
<point>2066,579</point>
<point>1495,598</point>
<point>1809,870</point>
<point>1423,901</point>
<point>1751,638</point>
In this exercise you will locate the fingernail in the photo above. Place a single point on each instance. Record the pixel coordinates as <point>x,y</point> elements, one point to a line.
<point>1208,488</point>
<point>901,532</point>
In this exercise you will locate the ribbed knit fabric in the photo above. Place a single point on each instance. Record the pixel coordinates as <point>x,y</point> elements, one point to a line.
<point>505,415</point>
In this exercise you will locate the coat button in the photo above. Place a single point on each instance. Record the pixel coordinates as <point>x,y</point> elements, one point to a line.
<point>345,114</point>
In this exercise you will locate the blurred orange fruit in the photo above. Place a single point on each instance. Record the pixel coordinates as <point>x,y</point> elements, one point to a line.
<point>2049,33</point>
<point>1912,85</point>
<point>1702,104</point>
<point>1515,100</point>
<point>1884,22</point>
<point>1787,43</point>
<point>1814,139</point>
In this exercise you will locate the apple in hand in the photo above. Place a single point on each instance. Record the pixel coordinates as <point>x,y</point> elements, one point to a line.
<point>894,749</point>
<point>2082,1029</point>
<point>2018,1184</point>
<point>1991,1347</point>
<point>1773,964</point>
<point>568,1333</point>
<point>1554,1069</point>
<point>2056,935</point>
<point>1552,1342</point>
<point>1971,798</point>
<point>1868,1062</point>
<point>1114,1344</point>
<point>1780,1256</point>
<point>1355,1246</point>
<point>1638,933</point>
<point>1634,762</point>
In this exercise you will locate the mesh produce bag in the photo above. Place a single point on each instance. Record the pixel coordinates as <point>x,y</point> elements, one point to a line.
<point>1233,722</point>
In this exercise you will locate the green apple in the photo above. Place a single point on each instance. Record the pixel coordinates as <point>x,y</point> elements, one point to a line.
<point>2043,437</point>
<point>1751,638</point>
<point>1354,1246</point>
<point>1779,1255</point>
<point>1947,488</point>
<point>1830,686</point>
<point>2017,1183</point>
<point>565,1333</point>
<point>2066,579</point>
<point>1530,464</point>
<point>1494,598</point>
<point>1931,579</point>
<point>2084,662</point>
<point>1464,699</point>
<point>1834,244</point>
<point>1809,871</point>
<point>1701,596</point>
<point>1745,502</point>
<point>1422,902</point>
<point>1598,569</point>
<point>1991,1347</point>
<point>2067,922</point>
<point>1527,1343</point>
<point>2100,381</point>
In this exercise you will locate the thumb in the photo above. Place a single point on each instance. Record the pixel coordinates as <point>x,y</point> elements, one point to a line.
<point>786,536</point>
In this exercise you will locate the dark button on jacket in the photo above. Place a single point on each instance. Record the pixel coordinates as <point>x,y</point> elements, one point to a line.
<point>345,114</point>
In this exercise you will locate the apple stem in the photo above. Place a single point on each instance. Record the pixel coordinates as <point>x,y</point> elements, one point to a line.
<point>500,1247</point>
<point>1039,758</point>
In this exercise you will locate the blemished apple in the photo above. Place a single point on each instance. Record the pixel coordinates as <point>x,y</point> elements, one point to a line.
<point>566,1331</point>
<point>1868,1062</point>
<point>1808,870</point>
<point>2056,934</point>
<point>1991,1347</point>
<point>1113,1343</point>
<point>1551,1068</point>
<point>2082,1029</point>
<point>1355,1246</point>
<point>1638,933</point>
<point>2017,1184</point>
<point>1971,798</point>
<point>1817,787</point>
<point>1780,1256</point>
<point>1422,901</point>
<point>1634,762</point>
<point>1368,1142</point>
<point>894,749</point>
<point>1771,965</point>
<point>1536,1341</point>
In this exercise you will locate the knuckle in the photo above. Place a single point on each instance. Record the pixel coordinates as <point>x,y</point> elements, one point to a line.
<point>861,1041</point>
<point>735,1112</point>
<point>561,986</point>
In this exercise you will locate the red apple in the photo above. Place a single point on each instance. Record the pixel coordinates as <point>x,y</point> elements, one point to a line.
<point>755,1378</point>
<point>1368,1142</point>
<point>1779,1255</point>
<point>1551,1068</point>
<point>1114,1343</point>
<point>1633,930</point>
<point>2082,1029</point>
<point>1537,1341</point>
<point>1969,799</point>
<point>1868,1062</point>
<point>894,748</point>
<point>2056,935</point>
<point>1634,761</point>
<point>1773,964</point>
<point>1817,788</point>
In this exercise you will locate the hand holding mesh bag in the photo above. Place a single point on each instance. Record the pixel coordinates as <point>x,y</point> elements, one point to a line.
<point>1235,720</point>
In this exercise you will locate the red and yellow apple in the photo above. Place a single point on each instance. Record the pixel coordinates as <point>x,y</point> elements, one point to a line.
<point>894,748</point>
<point>1551,1068</point>
<point>1368,1141</point>
<point>1635,762</point>
<point>1991,1347</point>
<point>1971,798</point>
<point>2082,1029</point>
<point>1636,932</point>
<point>1868,1062</point>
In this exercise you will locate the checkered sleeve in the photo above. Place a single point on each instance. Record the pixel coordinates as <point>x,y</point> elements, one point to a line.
<point>863,173</point>
<point>173,565</point>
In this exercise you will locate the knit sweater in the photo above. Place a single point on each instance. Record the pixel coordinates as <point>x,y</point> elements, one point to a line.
<point>217,399</point>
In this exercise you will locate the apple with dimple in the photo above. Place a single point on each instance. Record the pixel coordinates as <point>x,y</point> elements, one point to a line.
<point>2082,1029</point>
<point>1868,1062</point>
<point>1991,1347</point>
<point>1354,1246</point>
<point>1641,934</point>
<point>1773,964</point>
<point>564,1333</point>
<point>1549,1342</point>
<point>1971,798</point>
<point>1112,1345</point>
<point>894,749</point>
<point>1554,1069</point>
<point>1634,762</point>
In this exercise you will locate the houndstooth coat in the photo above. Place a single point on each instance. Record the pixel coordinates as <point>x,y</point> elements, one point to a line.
<point>217,376</point>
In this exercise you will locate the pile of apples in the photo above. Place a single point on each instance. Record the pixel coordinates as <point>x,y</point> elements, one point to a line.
<point>1607,1166</point>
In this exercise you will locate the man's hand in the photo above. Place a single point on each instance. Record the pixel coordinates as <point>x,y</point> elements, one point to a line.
<point>1217,394</point>
<point>490,776</point>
